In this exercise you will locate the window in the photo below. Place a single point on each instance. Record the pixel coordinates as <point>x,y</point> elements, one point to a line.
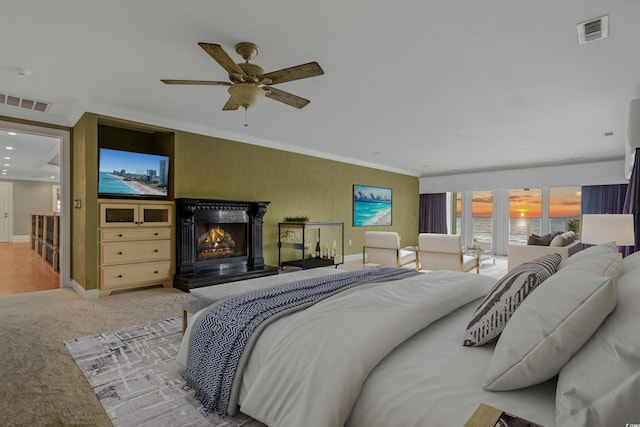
<point>564,209</point>
<point>525,214</point>
<point>482,216</point>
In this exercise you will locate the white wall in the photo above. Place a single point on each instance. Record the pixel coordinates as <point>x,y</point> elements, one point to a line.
<point>609,172</point>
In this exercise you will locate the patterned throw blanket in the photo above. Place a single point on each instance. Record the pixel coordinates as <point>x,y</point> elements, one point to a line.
<point>224,332</point>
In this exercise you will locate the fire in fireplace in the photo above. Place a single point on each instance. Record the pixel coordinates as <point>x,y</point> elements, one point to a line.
<point>221,241</point>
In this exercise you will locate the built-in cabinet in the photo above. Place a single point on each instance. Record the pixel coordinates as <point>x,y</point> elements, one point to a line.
<point>136,245</point>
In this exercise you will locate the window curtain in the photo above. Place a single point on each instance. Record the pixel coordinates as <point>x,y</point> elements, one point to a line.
<point>631,204</point>
<point>603,199</point>
<point>433,213</point>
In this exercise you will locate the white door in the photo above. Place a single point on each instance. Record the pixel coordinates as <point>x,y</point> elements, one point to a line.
<point>4,212</point>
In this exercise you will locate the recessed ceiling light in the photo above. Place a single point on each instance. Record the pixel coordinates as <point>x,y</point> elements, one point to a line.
<point>53,177</point>
<point>12,133</point>
<point>4,173</point>
<point>9,148</point>
<point>7,158</point>
<point>7,165</point>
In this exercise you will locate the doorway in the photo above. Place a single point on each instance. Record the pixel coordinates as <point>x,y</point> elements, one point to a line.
<point>29,182</point>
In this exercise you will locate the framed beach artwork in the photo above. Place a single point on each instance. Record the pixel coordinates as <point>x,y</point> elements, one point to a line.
<point>371,206</point>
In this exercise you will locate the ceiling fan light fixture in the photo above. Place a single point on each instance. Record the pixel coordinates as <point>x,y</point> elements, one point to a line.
<point>246,94</point>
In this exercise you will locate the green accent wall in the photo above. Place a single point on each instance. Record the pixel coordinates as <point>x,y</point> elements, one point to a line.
<point>213,168</point>
<point>295,184</point>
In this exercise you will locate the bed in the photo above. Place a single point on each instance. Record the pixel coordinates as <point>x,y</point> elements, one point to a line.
<point>391,353</point>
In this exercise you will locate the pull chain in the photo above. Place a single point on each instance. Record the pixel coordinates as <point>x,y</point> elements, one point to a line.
<point>245,118</point>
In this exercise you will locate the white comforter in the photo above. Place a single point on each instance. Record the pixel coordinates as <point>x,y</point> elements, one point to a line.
<point>308,368</point>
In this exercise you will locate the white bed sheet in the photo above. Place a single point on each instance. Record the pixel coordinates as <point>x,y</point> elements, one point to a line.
<point>433,379</point>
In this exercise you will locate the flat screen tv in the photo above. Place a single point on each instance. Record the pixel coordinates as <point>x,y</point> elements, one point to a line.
<point>129,174</point>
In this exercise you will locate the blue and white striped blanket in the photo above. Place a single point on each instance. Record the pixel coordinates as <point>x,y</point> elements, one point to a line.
<point>224,332</point>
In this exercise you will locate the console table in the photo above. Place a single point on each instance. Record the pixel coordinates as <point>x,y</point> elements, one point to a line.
<point>297,242</point>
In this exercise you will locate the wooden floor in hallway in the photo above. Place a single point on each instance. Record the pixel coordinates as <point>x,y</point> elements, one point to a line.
<point>22,270</point>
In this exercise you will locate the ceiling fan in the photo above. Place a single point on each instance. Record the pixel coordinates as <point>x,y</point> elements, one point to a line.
<point>248,82</point>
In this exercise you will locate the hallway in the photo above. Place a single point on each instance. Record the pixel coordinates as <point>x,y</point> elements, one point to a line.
<point>22,270</point>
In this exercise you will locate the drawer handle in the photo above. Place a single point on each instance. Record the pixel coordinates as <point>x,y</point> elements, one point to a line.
<point>155,234</point>
<point>155,250</point>
<point>119,276</point>
<point>156,272</point>
<point>118,253</point>
<point>119,235</point>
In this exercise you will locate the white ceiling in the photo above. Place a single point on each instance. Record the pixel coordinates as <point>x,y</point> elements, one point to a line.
<point>30,157</point>
<point>419,87</point>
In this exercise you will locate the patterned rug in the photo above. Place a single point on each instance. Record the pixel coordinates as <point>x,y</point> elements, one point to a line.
<point>134,375</point>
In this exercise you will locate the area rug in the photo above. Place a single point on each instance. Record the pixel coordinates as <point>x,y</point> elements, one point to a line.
<point>133,373</point>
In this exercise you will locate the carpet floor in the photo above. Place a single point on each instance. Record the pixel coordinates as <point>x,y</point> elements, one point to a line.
<point>40,383</point>
<point>133,373</point>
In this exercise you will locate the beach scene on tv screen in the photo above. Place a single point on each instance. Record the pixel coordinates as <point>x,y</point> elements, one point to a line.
<point>135,174</point>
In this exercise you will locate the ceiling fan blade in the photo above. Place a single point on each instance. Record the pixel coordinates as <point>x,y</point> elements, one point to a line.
<point>222,58</point>
<point>194,82</point>
<point>285,97</point>
<point>230,105</point>
<point>294,73</point>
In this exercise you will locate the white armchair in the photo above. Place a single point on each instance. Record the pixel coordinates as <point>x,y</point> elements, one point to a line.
<point>444,252</point>
<point>383,248</point>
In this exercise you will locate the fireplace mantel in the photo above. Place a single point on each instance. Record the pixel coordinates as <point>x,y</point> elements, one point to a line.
<point>194,215</point>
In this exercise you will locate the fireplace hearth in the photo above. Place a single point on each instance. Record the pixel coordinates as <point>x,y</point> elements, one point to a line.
<point>218,241</point>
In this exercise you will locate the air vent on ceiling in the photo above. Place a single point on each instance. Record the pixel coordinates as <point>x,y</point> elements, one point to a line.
<point>29,104</point>
<point>594,29</point>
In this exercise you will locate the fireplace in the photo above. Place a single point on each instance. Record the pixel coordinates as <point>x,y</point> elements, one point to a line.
<point>218,241</point>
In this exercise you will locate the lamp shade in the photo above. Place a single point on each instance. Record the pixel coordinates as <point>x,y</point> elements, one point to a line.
<point>603,228</point>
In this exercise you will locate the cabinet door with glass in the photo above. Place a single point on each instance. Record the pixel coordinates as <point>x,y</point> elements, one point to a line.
<point>135,214</point>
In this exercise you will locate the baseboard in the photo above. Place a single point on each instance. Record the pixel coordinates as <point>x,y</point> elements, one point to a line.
<point>92,294</point>
<point>353,257</point>
<point>20,239</point>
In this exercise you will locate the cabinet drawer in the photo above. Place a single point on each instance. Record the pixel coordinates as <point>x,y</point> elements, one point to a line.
<point>135,234</point>
<point>122,275</point>
<point>125,252</point>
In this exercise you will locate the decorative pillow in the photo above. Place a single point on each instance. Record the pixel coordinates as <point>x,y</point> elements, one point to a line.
<point>548,328</point>
<point>494,311</point>
<point>591,380</point>
<point>557,242</point>
<point>568,237</point>
<point>535,240</point>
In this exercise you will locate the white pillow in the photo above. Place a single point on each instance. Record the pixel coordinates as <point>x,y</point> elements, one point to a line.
<point>631,262</point>
<point>555,320</point>
<point>591,251</point>
<point>606,264</point>
<point>605,362</point>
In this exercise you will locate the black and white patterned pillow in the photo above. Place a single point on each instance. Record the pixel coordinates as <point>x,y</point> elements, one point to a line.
<point>496,309</point>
